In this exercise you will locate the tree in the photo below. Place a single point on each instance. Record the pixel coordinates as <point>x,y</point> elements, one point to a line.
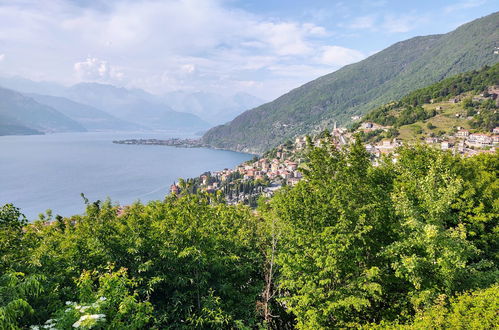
<point>334,224</point>
<point>16,290</point>
<point>12,248</point>
<point>105,301</point>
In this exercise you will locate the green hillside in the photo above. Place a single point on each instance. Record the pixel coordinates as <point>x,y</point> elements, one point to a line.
<point>357,88</point>
<point>427,111</point>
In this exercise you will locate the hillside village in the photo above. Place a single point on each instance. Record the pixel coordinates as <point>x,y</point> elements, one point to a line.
<point>281,166</point>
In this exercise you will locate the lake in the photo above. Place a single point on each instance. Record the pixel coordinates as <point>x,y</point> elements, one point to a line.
<point>50,171</point>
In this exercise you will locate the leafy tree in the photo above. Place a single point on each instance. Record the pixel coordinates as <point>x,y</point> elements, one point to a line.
<point>334,224</point>
<point>16,289</point>
<point>12,222</point>
<point>105,301</point>
<point>471,310</point>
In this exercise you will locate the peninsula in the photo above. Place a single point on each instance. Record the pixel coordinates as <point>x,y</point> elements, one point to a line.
<point>173,142</point>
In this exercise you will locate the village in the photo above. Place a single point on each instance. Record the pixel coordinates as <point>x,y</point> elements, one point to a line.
<point>264,175</point>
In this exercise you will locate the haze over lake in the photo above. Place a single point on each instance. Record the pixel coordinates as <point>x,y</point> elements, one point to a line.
<point>50,171</point>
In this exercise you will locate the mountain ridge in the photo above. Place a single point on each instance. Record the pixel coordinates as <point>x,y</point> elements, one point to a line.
<point>89,117</point>
<point>359,87</point>
<point>23,115</point>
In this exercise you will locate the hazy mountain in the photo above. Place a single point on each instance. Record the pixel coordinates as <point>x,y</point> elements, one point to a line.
<point>359,87</point>
<point>88,116</point>
<point>29,86</point>
<point>212,107</point>
<point>10,126</point>
<point>102,106</point>
<point>134,105</point>
<point>20,114</point>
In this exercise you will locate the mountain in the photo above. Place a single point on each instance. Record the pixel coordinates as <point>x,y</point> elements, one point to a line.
<point>20,114</point>
<point>89,117</point>
<point>212,107</point>
<point>357,88</point>
<point>25,86</point>
<point>11,126</point>
<point>135,106</point>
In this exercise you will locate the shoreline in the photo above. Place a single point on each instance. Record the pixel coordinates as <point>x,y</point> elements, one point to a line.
<point>178,143</point>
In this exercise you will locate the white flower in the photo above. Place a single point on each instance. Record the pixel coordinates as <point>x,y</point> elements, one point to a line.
<point>34,327</point>
<point>102,298</point>
<point>97,316</point>
<point>86,317</point>
<point>84,308</point>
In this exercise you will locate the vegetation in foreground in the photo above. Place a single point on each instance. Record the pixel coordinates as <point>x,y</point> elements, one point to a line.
<point>406,244</point>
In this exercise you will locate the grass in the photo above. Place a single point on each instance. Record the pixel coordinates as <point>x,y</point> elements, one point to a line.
<point>446,122</point>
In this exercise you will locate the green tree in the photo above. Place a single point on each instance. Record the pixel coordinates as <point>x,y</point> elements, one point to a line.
<point>16,290</point>
<point>335,222</point>
<point>105,301</point>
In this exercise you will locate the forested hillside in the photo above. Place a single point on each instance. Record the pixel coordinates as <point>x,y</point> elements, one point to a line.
<point>408,244</point>
<point>360,87</point>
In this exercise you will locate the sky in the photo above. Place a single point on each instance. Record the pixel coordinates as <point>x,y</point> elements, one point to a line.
<point>261,47</point>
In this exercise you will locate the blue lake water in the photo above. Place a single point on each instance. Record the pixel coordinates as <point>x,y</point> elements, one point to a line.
<point>50,171</point>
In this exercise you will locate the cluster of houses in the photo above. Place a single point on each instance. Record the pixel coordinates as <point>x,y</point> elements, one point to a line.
<point>273,172</point>
<point>384,147</point>
<point>467,143</point>
<point>283,167</point>
<point>463,142</point>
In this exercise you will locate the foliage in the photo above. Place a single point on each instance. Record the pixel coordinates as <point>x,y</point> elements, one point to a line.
<point>105,301</point>
<point>197,262</point>
<point>471,310</point>
<point>351,245</point>
<point>11,236</point>
<point>16,289</point>
<point>335,224</point>
<point>362,243</point>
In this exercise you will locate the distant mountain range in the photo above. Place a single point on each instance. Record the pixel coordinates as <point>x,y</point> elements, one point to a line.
<point>357,88</point>
<point>89,117</point>
<point>95,106</point>
<point>20,114</point>
<point>135,106</point>
<point>213,108</point>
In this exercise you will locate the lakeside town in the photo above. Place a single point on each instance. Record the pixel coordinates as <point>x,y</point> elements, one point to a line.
<point>264,175</point>
<point>173,142</point>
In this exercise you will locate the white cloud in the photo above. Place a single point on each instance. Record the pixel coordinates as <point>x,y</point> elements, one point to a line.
<point>463,5</point>
<point>401,23</point>
<point>363,22</point>
<point>2,57</point>
<point>340,56</point>
<point>164,45</point>
<point>284,38</point>
<point>314,30</point>
<point>188,68</point>
<point>94,69</point>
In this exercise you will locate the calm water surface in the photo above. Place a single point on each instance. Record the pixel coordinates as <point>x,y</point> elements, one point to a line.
<point>50,171</point>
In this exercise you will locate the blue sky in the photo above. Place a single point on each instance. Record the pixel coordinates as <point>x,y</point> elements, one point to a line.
<point>262,47</point>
